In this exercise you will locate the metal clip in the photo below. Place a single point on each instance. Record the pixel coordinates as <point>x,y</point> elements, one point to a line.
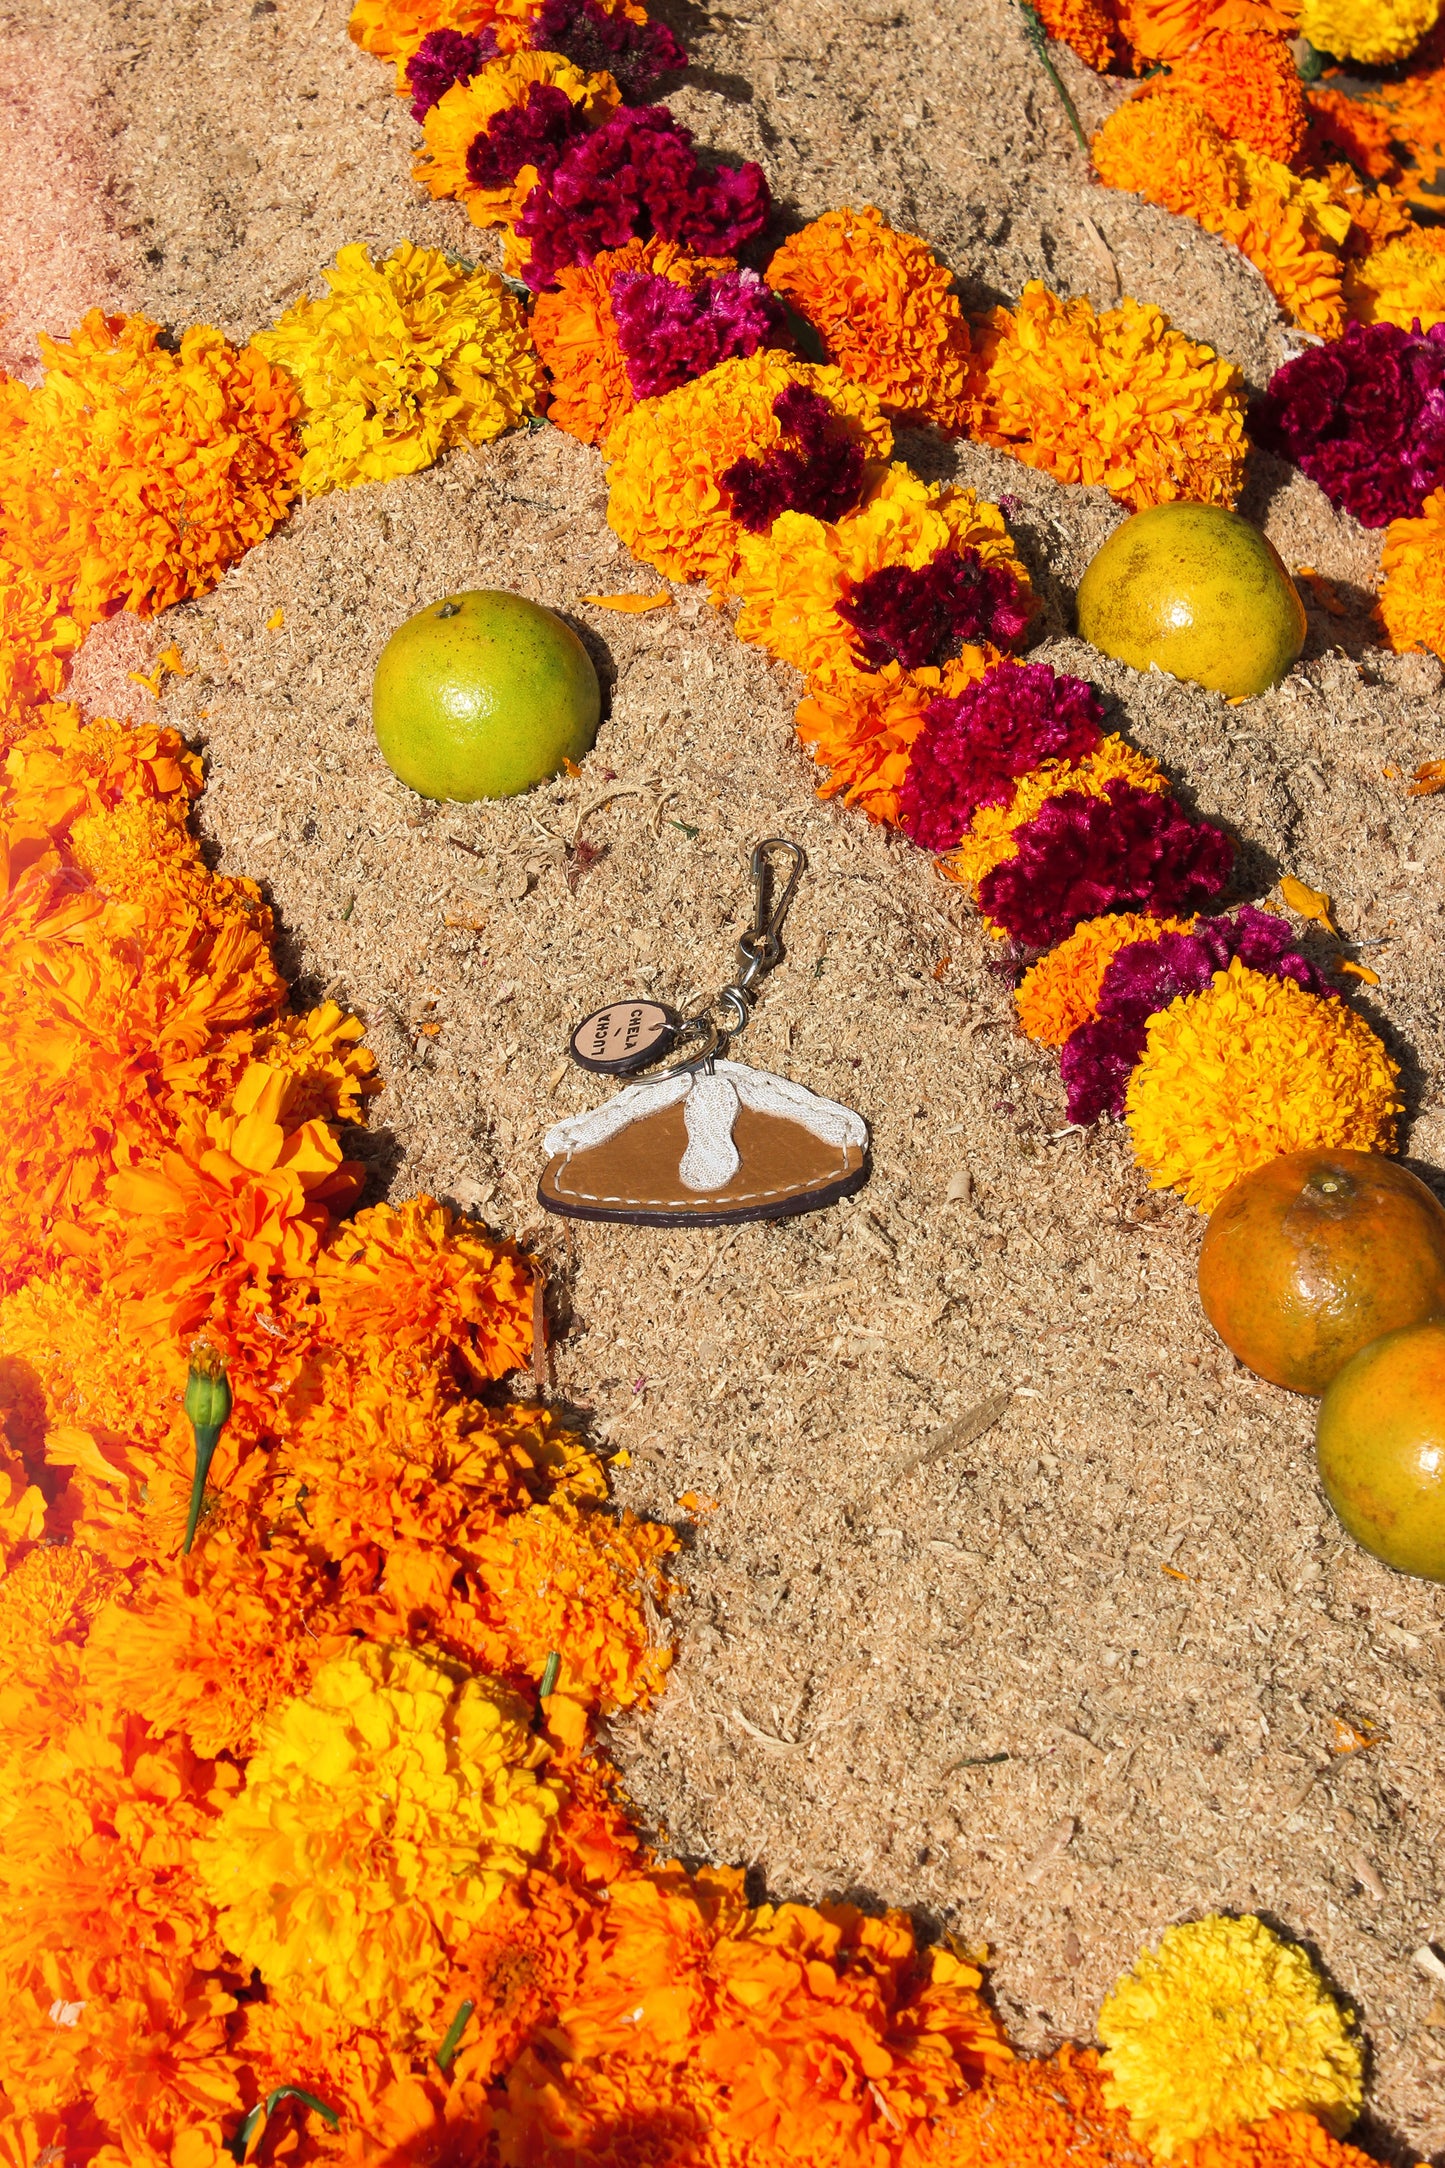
<point>761,946</point>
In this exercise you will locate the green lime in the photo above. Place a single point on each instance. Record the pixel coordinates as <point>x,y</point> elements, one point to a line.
<point>481,695</point>
<point>1381,1445</point>
<point>1198,591</point>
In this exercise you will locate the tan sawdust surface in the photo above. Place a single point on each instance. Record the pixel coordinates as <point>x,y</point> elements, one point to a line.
<point>858,1643</point>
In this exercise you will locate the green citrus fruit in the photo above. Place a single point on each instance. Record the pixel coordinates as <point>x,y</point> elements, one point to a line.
<point>481,695</point>
<point>1381,1444</point>
<point>1198,591</point>
<point>1315,1254</point>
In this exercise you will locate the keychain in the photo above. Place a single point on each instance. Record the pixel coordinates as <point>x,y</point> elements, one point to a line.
<point>709,1140</point>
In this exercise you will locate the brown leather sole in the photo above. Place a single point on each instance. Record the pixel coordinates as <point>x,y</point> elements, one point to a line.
<point>783,1170</point>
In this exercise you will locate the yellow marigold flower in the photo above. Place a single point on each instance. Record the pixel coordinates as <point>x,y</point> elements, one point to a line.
<point>1168,29</point>
<point>1251,1068</point>
<point>1120,399</point>
<point>990,839</point>
<point>886,311</point>
<point>1377,32</point>
<point>576,334</point>
<point>1225,2024</point>
<point>862,728</point>
<point>1412,598</point>
<point>792,579</point>
<point>1061,990</point>
<point>322,1050</point>
<point>467,109</point>
<point>665,459</point>
<point>1168,150</point>
<point>383,1813</point>
<point>400,360</point>
<point>1402,279</point>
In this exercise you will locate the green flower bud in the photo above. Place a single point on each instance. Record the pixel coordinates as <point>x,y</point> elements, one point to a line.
<point>207,1403</point>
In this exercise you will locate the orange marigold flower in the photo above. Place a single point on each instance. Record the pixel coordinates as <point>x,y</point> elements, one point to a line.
<point>666,459</point>
<point>1401,282</point>
<point>1119,399</point>
<point>1168,29</point>
<point>1341,126</point>
<point>862,728</point>
<point>1053,2113</point>
<point>1412,597</point>
<point>990,839</point>
<point>393,29</point>
<point>1089,27</point>
<point>885,309</point>
<point>575,334</point>
<point>1060,991</point>
<point>1291,2139</point>
<point>1169,151</point>
<point>792,580</point>
<point>134,476</point>
<point>420,1278</point>
<point>1249,86</point>
<point>467,109</point>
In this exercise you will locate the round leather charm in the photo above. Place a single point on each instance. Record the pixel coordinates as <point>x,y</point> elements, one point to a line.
<point>624,1036</point>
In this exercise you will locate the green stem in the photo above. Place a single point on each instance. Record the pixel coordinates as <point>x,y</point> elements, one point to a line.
<point>207,1437</point>
<point>447,2053</point>
<point>1038,39</point>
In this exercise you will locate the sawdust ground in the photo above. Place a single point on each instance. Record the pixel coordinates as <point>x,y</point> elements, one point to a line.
<point>861,1641</point>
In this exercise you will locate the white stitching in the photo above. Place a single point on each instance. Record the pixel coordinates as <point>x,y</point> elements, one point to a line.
<point>704,1200</point>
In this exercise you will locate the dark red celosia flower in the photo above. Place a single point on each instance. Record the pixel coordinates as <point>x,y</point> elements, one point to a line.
<point>916,616</point>
<point>669,334</point>
<point>1131,850</point>
<point>635,176</point>
<point>534,133</point>
<point>974,746</point>
<point>1363,417</point>
<point>635,55</point>
<point>1099,1058</point>
<point>445,57</point>
<point>817,467</point>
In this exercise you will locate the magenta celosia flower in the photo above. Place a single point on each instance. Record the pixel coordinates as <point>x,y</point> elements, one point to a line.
<point>445,57</point>
<point>1131,850</point>
<point>635,176</point>
<point>1143,978</point>
<point>534,133</point>
<point>1363,417</point>
<point>635,55</point>
<point>669,335</point>
<point>975,745</point>
<point>917,616</point>
<point>817,468</point>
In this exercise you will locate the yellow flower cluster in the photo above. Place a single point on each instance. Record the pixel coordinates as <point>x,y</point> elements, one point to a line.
<point>1060,992</point>
<point>791,580</point>
<point>885,309</point>
<point>1225,2024</point>
<point>382,1815</point>
<point>400,360</point>
<point>666,459</point>
<point>466,110</point>
<point>1169,151</point>
<point>1251,1068</point>
<point>1377,32</point>
<point>1119,400</point>
<point>1412,595</point>
<point>1400,282</point>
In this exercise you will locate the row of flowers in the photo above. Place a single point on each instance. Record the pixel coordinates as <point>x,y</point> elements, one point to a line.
<point>303,1840</point>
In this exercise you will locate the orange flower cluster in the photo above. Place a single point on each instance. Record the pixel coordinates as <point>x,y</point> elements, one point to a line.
<point>885,309</point>
<point>862,730</point>
<point>1412,597</point>
<point>575,333</point>
<point>130,477</point>
<point>1250,88</point>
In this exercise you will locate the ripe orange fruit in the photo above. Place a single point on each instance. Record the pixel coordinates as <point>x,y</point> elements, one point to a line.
<point>481,695</point>
<point>1197,590</point>
<point>1381,1445</point>
<point>1314,1255</point>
